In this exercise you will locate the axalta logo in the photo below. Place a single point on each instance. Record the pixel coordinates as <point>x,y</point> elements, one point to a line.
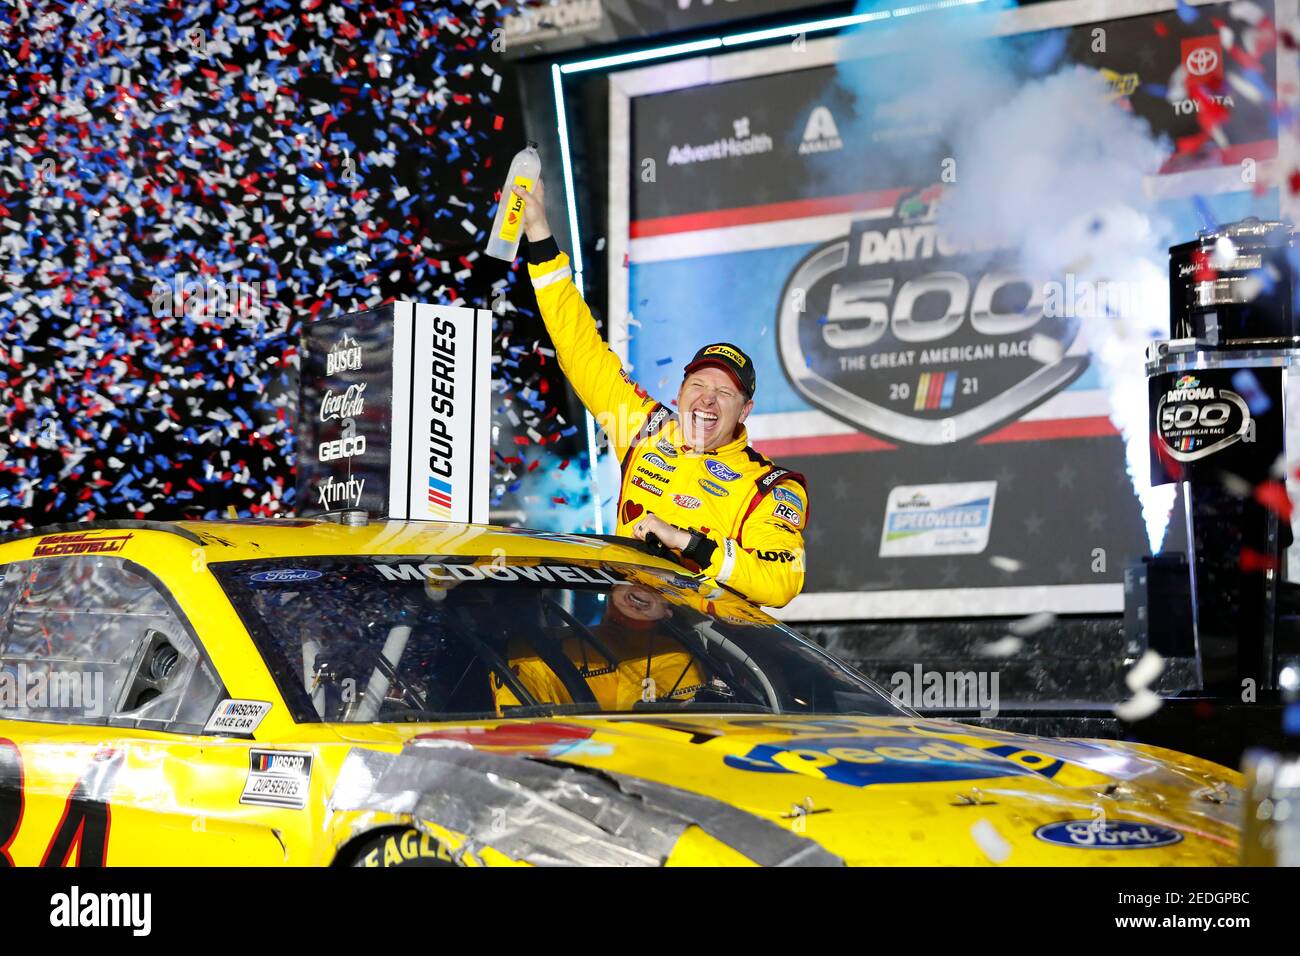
<point>345,356</point>
<point>820,134</point>
<point>1108,835</point>
<point>442,389</point>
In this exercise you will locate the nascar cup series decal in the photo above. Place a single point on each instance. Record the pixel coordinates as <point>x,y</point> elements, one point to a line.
<point>1108,835</point>
<point>277,778</point>
<point>902,331</point>
<point>938,519</point>
<point>1195,420</point>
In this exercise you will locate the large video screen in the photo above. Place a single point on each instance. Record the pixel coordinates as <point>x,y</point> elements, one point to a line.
<point>944,383</point>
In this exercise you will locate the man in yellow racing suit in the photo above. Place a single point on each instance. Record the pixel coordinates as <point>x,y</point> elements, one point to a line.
<point>690,478</point>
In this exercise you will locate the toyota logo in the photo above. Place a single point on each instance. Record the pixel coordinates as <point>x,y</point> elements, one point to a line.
<point>1201,61</point>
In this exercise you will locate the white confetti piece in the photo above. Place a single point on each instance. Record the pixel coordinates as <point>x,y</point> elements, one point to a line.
<point>1147,668</point>
<point>991,843</point>
<point>1140,706</point>
<point>1005,564</point>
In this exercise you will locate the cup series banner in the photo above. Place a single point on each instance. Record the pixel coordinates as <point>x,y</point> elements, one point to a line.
<point>395,415</point>
<point>936,439</point>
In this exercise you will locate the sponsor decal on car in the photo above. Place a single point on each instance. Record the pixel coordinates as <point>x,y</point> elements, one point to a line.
<point>720,471</point>
<point>869,761</point>
<point>786,513</point>
<point>285,576</point>
<point>237,717</point>
<point>788,496</point>
<point>277,778</point>
<point>658,462</point>
<point>646,486</point>
<point>1107,835</point>
<point>549,573</point>
<point>81,542</point>
<point>713,488</point>
<point>686,501</point>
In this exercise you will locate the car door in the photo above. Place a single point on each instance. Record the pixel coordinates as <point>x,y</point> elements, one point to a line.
<point>104,692</point>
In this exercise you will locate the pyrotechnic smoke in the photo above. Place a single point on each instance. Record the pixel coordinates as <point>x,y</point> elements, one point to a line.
<point>1047,161</point>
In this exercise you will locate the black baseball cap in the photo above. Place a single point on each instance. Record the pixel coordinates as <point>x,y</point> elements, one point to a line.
<point>730,359</point>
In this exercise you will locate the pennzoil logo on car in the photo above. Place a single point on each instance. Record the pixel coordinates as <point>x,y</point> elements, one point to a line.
<point>1107,835</point>
<point>277,778</point>
<point>285,576</point>
<point>80,542</point>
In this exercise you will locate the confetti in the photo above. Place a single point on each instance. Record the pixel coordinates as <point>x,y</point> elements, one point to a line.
<point>312,160</point>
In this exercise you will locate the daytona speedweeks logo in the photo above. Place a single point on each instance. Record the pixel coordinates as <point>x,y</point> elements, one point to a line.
<point>903,331</point>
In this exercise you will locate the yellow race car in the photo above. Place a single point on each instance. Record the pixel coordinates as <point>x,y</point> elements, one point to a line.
<point>311,692</point>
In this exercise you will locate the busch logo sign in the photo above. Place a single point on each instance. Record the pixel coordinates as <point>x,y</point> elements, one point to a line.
<point>902,331</point>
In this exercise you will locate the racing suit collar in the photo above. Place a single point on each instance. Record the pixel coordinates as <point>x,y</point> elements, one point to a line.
<point>734,447</point>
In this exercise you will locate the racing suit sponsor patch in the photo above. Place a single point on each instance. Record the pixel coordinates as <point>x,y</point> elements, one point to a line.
<point>237,716</point>
<point>652,475</point>
<point>277,778</point>
<point>720,471</point>
<point>686,501</point>
<point>653,459</point>
<point>665,446</point>
<point>786,513</point>
<point>788,496</point>
<point>646,486</point>
<point>713,488</point>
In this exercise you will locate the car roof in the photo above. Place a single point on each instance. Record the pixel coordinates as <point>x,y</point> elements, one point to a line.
<point>251,538</point>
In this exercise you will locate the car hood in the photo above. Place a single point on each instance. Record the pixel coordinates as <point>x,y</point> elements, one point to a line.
<point>867,790</point>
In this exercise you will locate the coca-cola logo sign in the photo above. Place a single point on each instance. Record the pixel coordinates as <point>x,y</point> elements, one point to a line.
<point>902,331</point>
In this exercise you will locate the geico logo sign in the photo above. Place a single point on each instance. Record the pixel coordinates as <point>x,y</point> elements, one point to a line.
<point>348,447</point>
<point>343,405</point>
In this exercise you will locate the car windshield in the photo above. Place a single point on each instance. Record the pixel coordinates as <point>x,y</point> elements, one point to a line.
<point>388,639</point>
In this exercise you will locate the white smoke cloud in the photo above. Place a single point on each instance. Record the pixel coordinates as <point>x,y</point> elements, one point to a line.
<point>1055,168</point>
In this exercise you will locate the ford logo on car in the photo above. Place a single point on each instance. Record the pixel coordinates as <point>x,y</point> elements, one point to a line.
<point>1111,835</point>
<point>286,576</point>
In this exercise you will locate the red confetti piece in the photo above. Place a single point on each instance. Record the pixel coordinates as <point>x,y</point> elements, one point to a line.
<point>1252,561</point>
<point>1272,495</point>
